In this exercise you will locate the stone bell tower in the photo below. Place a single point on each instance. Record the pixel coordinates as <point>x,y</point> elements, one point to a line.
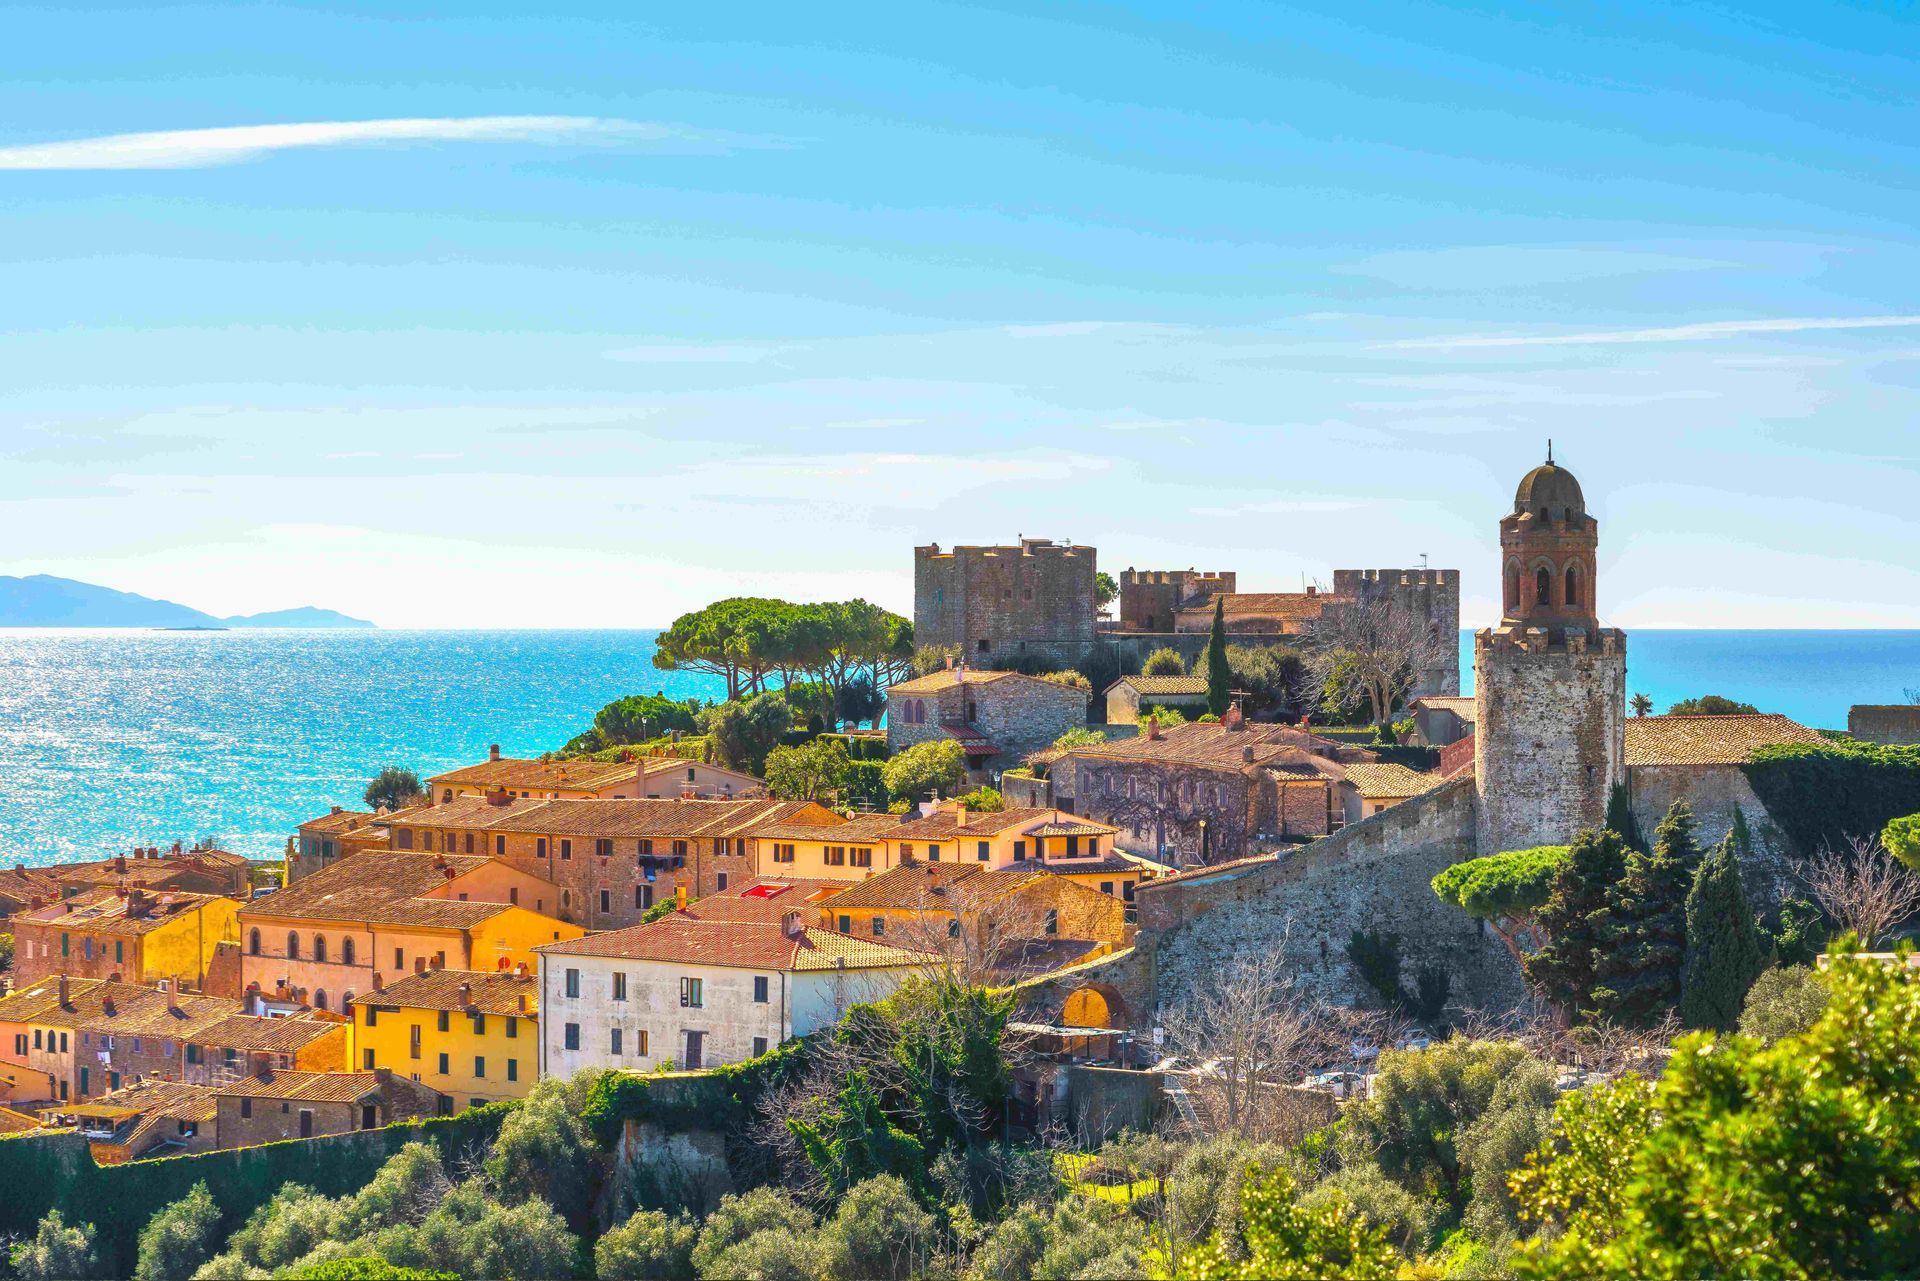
<point>1550,683</point>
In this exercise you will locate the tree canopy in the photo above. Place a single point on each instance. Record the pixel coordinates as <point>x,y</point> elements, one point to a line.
<point>1505,890</point>
<point>1711,705</point>
<point>750,641</point>
<point>395,788</point>
<point>935,765</point>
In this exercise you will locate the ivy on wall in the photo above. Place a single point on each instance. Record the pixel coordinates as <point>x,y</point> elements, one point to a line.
<point>1824,794</point>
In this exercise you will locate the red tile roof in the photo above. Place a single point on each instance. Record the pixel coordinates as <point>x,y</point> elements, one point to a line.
<point>737,945</point>
<point>488,991</point>
<point>1708,740</point>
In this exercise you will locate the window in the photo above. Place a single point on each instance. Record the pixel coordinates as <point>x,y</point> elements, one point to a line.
<point>320,999</point>
<point>606,901</point>
<point>513,1027</point>
<point>760,989</point>
<point>1053,920</point>
<point>566,898</point>
<point>86,947</point>
<point>479,1023</point>
<point>879,926</point>
<point>293,946</point>
<point>679,853</point>
<point>366,1059</point>
<point>446,1020</point>
<point>572,1034</point>
<point>20,1043</point>
<point>1543,586</point>
<point>443,1065</point>
<point>469,842</point>
<point>1106,887</point>
<point>690,994</point>
<point>500,845</point>
<point>253,942</point>
<point>603,846</point>
<point>566,847</point>
<point>406,838</point>
<point>1126,890</point>
<point>320,947</point>
<point>906,851</point>
<point>980,851</point>
<point>645,847</point>
<point>399,958</point>
<point>619,987</point>
<point>513,1069</point>
<point>953,928</point>
<point>642,897</point>
<point>836,856</point>
<point>246,1108</point>
<point>119,951</point>
<point>933,853</point>
<point>721,882</point>
<point>759,1046</point>
<point>1019,851</point>
<point>640,1043</point>
<point>613,1041</point>
<point>573,984</point>
<point>193,1053</point>
<point>1073,847</point>
<point>846,923</point>
<point>346,951</point>
<point>540,848</point>
<point>782,853</point>
<point>426,840</point>
<point>1573,586</point>
<point>480,1067</point>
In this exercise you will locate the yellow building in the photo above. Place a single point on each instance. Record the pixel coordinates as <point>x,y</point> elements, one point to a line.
<point>472,1035</point>
<point>382,915</point>
<point>132,936</point>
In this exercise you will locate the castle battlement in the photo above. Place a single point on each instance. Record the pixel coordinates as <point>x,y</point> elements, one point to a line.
<point>1352,582</point>
<point>1539,640</point>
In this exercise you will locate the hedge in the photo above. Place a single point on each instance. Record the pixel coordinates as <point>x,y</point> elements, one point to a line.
<point>1824,794</point>
<point>43,1171</point>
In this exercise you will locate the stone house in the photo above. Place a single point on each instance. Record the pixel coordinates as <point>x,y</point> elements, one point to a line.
<point>1197,794</point>
<point>700,993</point>
<point>131,934</point>
<point>1033,598</point>
<point>186,871</point>
<point>23,888</point>
<point>640,778</point>
<point>154,1118</point>
<point>85,1037</point>
<point>998,718</point>
<point>277,1105</point>
<point>1887,723</point>
<point>1130,696</point>
<point>1441,720</point>
<point>340,833</point>
<point>1369,787</point>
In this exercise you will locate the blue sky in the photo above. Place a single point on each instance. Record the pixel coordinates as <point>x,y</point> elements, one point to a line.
<point>584,317</point>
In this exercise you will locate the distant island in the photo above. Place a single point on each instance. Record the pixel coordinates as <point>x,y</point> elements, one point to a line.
<point>41,600</point>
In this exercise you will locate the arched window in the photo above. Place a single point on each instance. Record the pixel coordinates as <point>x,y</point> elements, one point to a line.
<point>1513,587</point>
<point>320,999</point>
<point>320,947</point>
<point>1543,587</point>
<point>346,956</point>
<point>346,1002</point>
<point>293,946</point>
<point>253,942</point>
<point>1572,596</point>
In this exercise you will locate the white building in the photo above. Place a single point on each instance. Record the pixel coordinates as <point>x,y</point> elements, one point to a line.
<point>700,993</point>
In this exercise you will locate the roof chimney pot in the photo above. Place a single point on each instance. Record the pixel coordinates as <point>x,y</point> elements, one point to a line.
<point>493,751</point>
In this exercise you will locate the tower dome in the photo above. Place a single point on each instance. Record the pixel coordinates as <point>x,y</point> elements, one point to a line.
<point>1550,491</point>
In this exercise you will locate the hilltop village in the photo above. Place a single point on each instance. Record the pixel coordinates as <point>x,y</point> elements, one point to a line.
<point>1101,797</point>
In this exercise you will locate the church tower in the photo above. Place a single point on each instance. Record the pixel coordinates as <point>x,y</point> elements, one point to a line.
<point>1550,683</point>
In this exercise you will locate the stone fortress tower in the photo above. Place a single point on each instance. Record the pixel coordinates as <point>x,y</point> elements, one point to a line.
<point>1550,683</point>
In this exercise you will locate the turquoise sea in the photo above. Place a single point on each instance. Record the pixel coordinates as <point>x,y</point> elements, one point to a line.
<point>108,738</point>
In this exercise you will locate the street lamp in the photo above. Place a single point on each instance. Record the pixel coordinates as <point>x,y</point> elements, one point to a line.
<point>1203,842</point>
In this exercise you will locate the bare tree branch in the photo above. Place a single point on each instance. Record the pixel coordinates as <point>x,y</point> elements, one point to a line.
<point>1863,889</point>
<point>1378,645</point>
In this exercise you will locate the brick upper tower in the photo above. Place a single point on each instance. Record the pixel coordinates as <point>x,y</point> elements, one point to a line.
<point>1549,682</point>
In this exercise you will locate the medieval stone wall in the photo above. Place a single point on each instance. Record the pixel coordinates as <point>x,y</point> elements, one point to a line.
<point>1713,792</point>
<point>1548,735</point>
<point>1024,716</point>
<point>1374,874</point>
<point>1891,723</point>
<point>1433,594</point>
<point>998,603</point>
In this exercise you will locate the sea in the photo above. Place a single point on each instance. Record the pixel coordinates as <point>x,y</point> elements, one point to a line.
<point>113,738</point>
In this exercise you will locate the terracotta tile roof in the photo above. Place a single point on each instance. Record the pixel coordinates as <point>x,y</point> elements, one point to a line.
<point>1213,746</point>
<point>268,1036</point>
<point>947,678</point>
<point>587,818</point>
<point>22,883</point>
<point>866,829</point>
<point>972,740</point>
<point>764,900</point>
<point>1116,862</point>
<point>1708,740</point>
<point>304,1087</point>
<point>176,1100</point>
<point>489,991</point>
<point>543,776</point>
<point>945,826</point>
<point>738,945</point>
<point>1163,686</point>
<point>106,912</point>
<point>1381,781</point>
<point>12,1122</point>
<point>1286,606</point>
<point>1459,706</point>
<point>123,1009</point>
<point>1071,827</point>
<point>933,886</point>
<point>379,886</point>
<point>338,821</point>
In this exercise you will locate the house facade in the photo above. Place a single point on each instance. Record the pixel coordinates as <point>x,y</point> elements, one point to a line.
<point>643,777</point>
<point>134,935</point>
<point>998,718</point>
<point>472,1035</point>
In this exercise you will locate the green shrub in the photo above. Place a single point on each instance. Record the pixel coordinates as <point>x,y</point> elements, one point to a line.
<point>1822,795</point>
<point>1164,662</point>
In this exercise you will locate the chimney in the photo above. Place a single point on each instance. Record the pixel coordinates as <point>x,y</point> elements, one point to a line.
<point>960,815</point>
<point>153,851</point>
<point>790,925</point>
<point>65,1003</point>
<point>520,970</point>
<point>120,862</point>
<point>336,809</point>
<point>493,751</point>
<point>680,897</point>
<point>499,796</point>
<point>1153,726</point>
<point>1235,718</point>
<point>523,1002</point>
<point>378,982</point>
<point>137,906</point>
<point>1312,591</point>
<point>466,996</point>
<point>173,997</point>
<point>419,965</point>
<point>106,1003</point>
<point>176,848</point>
<point>383,1075</point>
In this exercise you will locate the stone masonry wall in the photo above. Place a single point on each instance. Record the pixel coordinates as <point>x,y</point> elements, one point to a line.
<point>1886,723</point>
<point>1548,735</point>
<point>1431,593</point>
<point>997,603</point>
<point>1713,791</point>
<point>1374,874</point>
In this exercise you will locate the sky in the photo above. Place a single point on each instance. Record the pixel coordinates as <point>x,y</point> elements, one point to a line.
<point>584,315</point>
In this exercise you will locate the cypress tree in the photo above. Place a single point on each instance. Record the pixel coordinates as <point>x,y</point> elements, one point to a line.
<point>1576,923</point>
<point>1724,950</point>
<point>1620,818</point>
<point>1639,974</point>
<point>1219,678</point>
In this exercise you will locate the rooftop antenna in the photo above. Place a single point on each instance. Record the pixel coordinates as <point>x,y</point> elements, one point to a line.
<point>1549,451</point>
<point>1423,560</point>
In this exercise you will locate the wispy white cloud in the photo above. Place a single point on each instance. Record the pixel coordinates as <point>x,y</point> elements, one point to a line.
<point>1675,333</point>
<point>200,148</point>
